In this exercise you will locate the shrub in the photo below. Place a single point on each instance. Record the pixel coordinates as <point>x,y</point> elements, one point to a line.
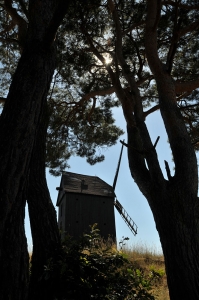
<point>90,269</point>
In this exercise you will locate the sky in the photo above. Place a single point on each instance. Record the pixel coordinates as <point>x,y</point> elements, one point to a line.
<point>126,190</point>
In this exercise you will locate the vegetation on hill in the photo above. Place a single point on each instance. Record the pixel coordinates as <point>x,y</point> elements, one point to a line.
<point>93,269</point>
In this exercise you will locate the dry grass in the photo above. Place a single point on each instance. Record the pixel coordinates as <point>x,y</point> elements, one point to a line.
<point>149,259</point>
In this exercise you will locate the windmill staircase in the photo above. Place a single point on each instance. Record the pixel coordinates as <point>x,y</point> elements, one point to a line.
<point>130,223</point>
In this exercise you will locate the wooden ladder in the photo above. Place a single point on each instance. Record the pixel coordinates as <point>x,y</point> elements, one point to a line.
<point>131,224</point>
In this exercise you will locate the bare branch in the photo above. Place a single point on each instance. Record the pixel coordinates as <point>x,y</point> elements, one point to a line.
<point>168,170</point>
<point>137,150</point>
<point>151,110</point>
<point>143,151</point>
<point>155,144</point>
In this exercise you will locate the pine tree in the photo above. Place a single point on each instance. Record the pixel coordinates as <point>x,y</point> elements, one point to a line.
<point>141,55</point>
<point>28,57</point>
<point>146,53</point>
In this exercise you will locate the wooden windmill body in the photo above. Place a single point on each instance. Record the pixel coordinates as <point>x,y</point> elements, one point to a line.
<point>84,200</point>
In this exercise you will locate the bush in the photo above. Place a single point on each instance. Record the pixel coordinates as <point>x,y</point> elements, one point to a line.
<point>89,269</point>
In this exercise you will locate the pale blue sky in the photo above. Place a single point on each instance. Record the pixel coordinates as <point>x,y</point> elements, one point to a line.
<point>126,190</point>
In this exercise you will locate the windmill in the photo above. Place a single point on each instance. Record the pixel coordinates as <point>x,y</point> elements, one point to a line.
<point>84,200</point>
<point>130,223</point>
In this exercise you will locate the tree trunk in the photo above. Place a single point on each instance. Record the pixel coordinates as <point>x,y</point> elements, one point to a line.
<point>44,227</point>
<point>15,266</point>
<point>179,234</point>
<point>18,126</point>
<point>176,211</point>
<point>173,202</point>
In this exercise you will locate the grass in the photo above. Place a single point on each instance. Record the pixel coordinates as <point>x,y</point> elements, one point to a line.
<point>150,260</point>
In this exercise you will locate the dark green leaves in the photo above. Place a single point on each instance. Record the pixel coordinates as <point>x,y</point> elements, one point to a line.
<point>90,269</point>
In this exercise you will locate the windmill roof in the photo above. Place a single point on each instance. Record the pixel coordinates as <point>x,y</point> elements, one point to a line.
<point>85,184</point>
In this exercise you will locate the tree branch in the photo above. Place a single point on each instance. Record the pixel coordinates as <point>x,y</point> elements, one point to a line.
<point>191,27</point>
<point>2,100</point>
<point>92,110</point>
<point>151,110</point>
<point>179,139</point>
<point>9,41</point>
<point>144,151</point>
<point>181,5</point>
<point>139,72</point>
<point>174,43</point>
<point>133,105</point>
<point>151,39</point>
<point>23,7</point>
<point>157,107</point>
<point>129,102</point>
<point>168,170</point>
<point>17,20</point>
<point>137,163</point>
<point>186,86</point>
<point>103,92</point>
<point>188,106</point>
<point>121,93</point>
<point>132,27</point>
<point>8,28</point>
<point>55,22</point>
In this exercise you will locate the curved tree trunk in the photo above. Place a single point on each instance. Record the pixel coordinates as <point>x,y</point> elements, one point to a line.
<point>18,124</point>
<point>18,127</point>
<point>44,227</point>
<point>179,233</point>
<point>176,217</point>
<point>15,266</point>
<point>173,202</point>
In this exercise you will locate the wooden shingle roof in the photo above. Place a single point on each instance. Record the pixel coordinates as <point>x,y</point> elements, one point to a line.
<point>79,183</point>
